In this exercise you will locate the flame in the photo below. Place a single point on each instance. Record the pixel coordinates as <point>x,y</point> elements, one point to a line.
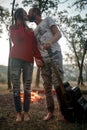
<point>22,96</point>
<point>35,97</point>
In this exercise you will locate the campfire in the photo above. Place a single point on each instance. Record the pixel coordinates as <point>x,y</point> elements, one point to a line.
<point>35,96</point>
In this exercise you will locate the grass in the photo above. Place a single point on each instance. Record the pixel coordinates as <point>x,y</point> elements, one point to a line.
<point>37,111</point>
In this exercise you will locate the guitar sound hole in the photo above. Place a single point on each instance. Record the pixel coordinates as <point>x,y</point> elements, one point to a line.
<point>67,97</point>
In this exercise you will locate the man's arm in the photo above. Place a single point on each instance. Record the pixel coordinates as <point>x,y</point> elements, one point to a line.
<point>56,36</point>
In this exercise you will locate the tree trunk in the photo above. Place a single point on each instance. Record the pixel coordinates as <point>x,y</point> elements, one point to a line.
<point>8,73</point>
<point>80,78</point>
<point>9,78</point>
<point>85,69</point>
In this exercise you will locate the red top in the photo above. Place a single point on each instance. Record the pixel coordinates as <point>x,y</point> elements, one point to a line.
<point>24,45</point>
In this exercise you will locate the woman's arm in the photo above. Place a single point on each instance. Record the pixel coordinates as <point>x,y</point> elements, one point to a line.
<point>37,55</point>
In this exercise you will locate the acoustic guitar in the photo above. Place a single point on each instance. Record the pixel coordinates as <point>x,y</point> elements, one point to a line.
<point>73,104</point>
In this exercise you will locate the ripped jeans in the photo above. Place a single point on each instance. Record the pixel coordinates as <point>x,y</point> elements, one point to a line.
<point>19,67</point>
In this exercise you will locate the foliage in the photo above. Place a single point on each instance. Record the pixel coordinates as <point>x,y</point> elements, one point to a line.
<point>80,4</point>
<point>4,18</point>
<point>42,4</point>
<point>74,28</point>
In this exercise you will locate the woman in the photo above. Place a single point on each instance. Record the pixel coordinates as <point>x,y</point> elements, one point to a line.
<point>24,49</point>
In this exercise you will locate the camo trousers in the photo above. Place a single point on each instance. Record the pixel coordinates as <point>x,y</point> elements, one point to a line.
<point>26,68</point>
<point>49,78</point>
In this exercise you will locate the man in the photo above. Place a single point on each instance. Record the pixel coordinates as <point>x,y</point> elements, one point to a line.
<point>47,35</point>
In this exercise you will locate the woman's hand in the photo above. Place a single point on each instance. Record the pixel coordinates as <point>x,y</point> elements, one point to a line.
<point>39,63</point>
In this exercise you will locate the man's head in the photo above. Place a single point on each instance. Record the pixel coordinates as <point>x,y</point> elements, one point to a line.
<point>33,14</point>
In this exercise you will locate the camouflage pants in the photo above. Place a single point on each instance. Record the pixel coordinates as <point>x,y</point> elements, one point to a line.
<point>49,79</point>
<point>26,68</point>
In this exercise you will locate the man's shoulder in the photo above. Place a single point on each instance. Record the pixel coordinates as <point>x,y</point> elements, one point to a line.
<point>48,18</point>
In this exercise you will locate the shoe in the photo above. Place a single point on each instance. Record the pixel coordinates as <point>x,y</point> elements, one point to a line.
<point>19,117</point>
<point>26,116</point>
<point>48,116</point>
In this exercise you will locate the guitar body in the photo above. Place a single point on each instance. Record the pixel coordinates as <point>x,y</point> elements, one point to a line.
<point>75,108</point>
<point>67,106</point>
<point>73,104</point>
<point>80,105</point>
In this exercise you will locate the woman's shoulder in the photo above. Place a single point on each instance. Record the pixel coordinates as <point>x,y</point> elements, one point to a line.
<point>30,30</point>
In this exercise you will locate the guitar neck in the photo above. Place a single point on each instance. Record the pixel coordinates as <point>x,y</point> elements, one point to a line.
<point>56,71</point>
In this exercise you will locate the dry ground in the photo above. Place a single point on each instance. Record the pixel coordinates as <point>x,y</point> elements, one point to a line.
<point>37,111</point>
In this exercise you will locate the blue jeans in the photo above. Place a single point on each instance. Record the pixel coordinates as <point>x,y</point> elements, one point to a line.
<point>19,67</point>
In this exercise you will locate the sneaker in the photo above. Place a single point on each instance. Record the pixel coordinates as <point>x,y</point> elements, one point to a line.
<point>48,116</point>
<point>19,117</point>
<point>26,116</point>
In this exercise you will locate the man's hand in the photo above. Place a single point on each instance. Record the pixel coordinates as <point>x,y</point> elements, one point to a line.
<point>47,45</point>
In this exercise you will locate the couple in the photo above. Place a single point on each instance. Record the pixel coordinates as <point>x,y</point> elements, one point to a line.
<point>25,48</point>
